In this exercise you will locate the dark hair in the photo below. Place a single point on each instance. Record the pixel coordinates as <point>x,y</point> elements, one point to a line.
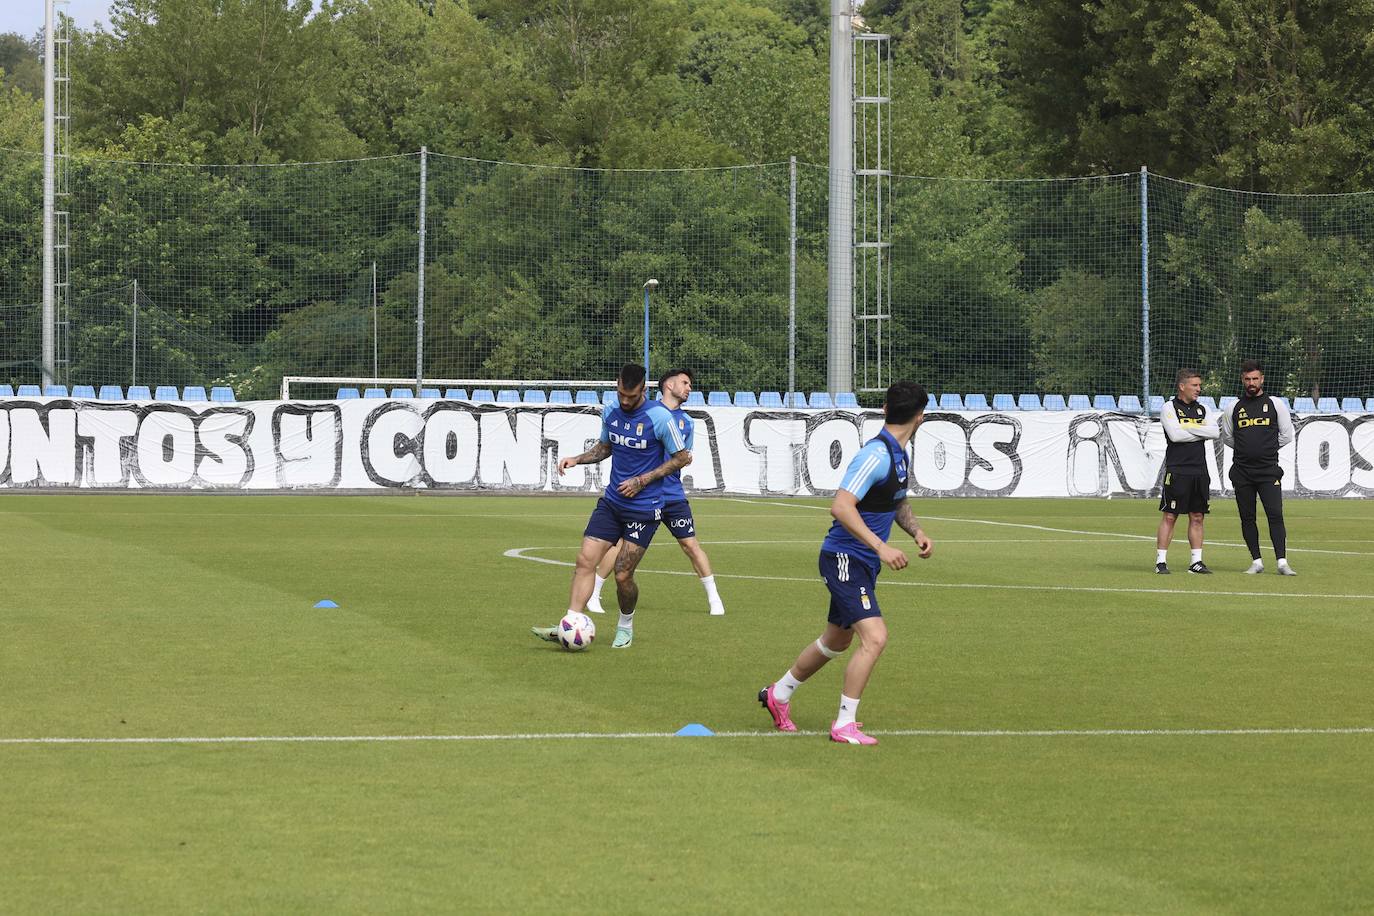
<point>1185,374</point>
<point>631,376</point>
<point>663,379</point>
<point>904,401</point>
<point>1251,365</point>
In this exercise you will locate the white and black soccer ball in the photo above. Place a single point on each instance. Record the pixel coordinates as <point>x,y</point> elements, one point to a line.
<point>576,631</point>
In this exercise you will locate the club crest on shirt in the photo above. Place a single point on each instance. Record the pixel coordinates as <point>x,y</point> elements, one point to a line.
<point>639,429</point>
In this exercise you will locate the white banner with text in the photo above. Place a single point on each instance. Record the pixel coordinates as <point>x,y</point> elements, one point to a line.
<point>454,445</point>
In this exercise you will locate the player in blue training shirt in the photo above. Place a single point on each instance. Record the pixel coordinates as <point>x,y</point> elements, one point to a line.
<point>644,445</point>
<point>872,495</point>
<point>675,385</point>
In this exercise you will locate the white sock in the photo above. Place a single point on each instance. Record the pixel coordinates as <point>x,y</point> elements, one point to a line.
<point>849,708</point>
<point>1283,561</point>
<point>1160,555</point>
<point>1197,555</point>
<point>709,583</point>
<point>782,690</point>
<point>1259,563</point>
<point>627,621</point>
<point>596,589</point>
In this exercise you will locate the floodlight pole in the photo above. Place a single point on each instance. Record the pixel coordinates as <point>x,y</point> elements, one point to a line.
<point>420,280</point>
<point>1145,285</point>
<point>48,357</point>
<point>840,299</point>
<point>649,285</point>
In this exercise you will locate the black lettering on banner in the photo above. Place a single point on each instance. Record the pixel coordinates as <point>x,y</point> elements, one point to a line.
<point>396,449</point>
<point>301,468</point>
<point>1095,429</point>
<point>150,445</point>
<point>1001,433</point>
<point>704,418</point>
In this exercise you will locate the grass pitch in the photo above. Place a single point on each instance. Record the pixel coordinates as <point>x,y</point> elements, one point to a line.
<point>1061,730</point>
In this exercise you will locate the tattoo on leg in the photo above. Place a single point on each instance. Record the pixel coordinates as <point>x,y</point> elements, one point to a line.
<point>626,589</point>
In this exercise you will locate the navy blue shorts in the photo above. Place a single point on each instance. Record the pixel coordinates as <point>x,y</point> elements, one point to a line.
<point>853,588</point>
<point>677,515</point>
<point>610,523</point>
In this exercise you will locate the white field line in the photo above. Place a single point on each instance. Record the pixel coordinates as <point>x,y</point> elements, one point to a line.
<point>1101,534</point>
<point>626,736</point>
<point>520,553</point>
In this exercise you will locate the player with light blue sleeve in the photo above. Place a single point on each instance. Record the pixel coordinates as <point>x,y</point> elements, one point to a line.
<point>674,386</point>
<point>872,495</point>
<point>645,446</point>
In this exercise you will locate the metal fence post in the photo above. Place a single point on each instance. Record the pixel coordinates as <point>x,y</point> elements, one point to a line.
<point>792,275</point>
<point>1145,286</point>
<point>420,278</point>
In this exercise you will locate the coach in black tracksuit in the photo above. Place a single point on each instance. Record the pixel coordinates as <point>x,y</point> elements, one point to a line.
<point>1187,485</point>
<point>1256,428</point>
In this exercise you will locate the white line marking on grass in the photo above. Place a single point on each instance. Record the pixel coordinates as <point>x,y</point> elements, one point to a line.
<point>627,736</point>
<point>1101,534</point>
<point>520,553</point>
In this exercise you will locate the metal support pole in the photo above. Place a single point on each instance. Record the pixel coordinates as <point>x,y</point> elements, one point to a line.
<point>133,361</point>
<point>420,281</point>
<point>792,275</point>
<point>49,354</point>
<point>840,300</point>
<point>1145,286</point>
<point>649,285</point>
<point>376,371</point>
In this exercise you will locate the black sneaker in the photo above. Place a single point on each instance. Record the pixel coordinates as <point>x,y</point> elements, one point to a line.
<point>1200,568</point>
<point>1162,568</point>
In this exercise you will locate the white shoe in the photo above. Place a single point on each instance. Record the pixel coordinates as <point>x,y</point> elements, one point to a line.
<point>1286,570</point>
<point>717,610</point>
<point>594,605</point>
<point>1255,568</point>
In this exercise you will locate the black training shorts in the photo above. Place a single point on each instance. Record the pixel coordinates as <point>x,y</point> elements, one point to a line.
<point>1185,493</point>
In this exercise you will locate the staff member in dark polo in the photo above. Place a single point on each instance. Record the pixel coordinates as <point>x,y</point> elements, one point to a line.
<point>1186,481</point>
<point>1256,428</point>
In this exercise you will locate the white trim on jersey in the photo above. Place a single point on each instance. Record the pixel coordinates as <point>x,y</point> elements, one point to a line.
<point>859,473</point>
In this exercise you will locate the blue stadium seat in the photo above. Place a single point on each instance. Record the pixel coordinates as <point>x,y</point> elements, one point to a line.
<point>695,399</point>
<point>1352,405</point>
<point>846,399</point>
<point>1304,405</point>
<point>746,399</point>
<point>1003,402</point>
<point>1369,406</point>
<point>976,402</point>
<point>456,394</point>
<point>1328,405</point>
<point>718,399</point>
<point>222,394</point>
<point>83,391</point>
<point>587,397</point>
<point>403,392</point>
<point>6,391</point>
<point>30,391</point>
<point>609,397</point>
<point>166,393</point>
<point>794,399</point>
<point>507,396</point>
<point>1028,402</point>
<point>770,399</point>
<point>536,396</point>
<point>560,396</point>
<point>193,393</point>
<point>483,396</point>
<point>349,394</point>
<point>820,400</point>
<point>111,393</point>
<point>1129,403</point>
<point>374,392</point>
<point>1156,404</point>
<point>55,391</point>
<point>1285,402</point>
<point>1079,402</point>
<point>1226,403</point>
<point>140,393</point>
<point>1206,400</point>
<point>1104,402</point>
<point>1055,402</point>
<point>951,402</point>
<point>429,392</point>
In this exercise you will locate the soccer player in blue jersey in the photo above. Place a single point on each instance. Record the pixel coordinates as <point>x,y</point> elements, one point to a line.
<point>675,385</point>
<point>644,445</point>
<point>872,495</point>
